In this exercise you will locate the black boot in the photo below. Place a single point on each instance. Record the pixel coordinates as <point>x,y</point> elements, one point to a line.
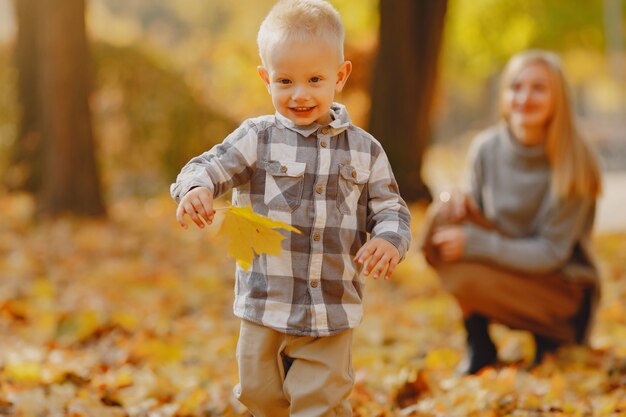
<point>481,351</point>
<point>543,345</point>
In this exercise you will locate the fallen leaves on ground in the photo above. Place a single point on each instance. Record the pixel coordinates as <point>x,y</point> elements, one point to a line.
<point>133,317</point>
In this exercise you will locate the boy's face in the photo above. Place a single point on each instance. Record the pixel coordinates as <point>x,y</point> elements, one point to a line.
<point>302,77</point>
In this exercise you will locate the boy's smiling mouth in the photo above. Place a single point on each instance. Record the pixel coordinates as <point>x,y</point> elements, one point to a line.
<point>301,109</point>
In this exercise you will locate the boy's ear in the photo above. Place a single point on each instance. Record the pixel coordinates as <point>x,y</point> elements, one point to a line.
<point>264,76</point>
<point>342,75</point>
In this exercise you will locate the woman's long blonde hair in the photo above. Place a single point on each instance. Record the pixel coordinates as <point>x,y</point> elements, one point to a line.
<point>575,171</point>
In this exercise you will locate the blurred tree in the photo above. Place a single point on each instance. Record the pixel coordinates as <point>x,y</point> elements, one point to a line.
<point>55,150</point>
<point>403,86</point>
<point>24,172</point>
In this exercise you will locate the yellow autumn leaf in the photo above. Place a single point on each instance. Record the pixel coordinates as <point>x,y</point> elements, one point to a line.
<point>190,403</point>
<point>126,320</point>
<point>78,326</point>
<point>23,371</point>
<point>441,359</point>
<point>250,234</point>
<point>159,351</point>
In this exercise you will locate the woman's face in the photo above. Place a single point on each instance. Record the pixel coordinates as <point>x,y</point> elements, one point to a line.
<point>529,99</point>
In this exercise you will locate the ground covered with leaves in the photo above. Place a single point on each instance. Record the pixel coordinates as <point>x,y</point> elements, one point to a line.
<point>132,317</point>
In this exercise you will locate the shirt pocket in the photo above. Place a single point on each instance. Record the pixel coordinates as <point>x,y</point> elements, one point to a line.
<point>284,182</point>
<point>350,183</point>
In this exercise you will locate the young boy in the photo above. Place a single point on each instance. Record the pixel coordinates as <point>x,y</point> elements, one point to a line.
<point>308,166</point>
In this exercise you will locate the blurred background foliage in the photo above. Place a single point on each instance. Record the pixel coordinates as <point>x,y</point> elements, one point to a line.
<point>482,35</point>
<point>174,77</point>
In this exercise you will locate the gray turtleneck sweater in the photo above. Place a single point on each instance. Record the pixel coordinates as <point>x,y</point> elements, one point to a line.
<point>537,233</point>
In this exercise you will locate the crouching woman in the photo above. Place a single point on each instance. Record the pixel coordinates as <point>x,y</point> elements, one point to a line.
<point>515,247</point>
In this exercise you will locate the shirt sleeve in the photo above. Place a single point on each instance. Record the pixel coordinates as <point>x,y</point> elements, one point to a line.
<point>547,250</point>
<point>223,167</point>
<point>388,216</point>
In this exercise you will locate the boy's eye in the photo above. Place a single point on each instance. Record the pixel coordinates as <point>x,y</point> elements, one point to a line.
<point>315,79</point>
<point>284,81</point>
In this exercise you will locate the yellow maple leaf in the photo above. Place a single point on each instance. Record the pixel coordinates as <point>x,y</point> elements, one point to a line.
<point>250,234</point>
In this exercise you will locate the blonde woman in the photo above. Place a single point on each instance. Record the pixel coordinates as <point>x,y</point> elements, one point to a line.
<point>515,247</point>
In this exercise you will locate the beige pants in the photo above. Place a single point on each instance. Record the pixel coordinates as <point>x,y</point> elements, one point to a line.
<point>548,305</point>
<point>287,375</point>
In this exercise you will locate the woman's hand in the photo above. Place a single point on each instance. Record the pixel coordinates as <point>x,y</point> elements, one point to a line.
<point>450,242</point>
<point>456,207</point>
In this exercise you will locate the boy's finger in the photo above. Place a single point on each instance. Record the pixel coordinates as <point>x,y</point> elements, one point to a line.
<point>374,263</point>
<point>392,266</point>
<point>360,251</point>
<point>197,220</point>
<point>381,266</point>
<point>362,254</point>
<point>207,205</point>
<point>384,271</point>
<point>199,208</point>
<point>180,216</point>
<point>204,209</point>
<point>193,215</point>
<point>376,269</point>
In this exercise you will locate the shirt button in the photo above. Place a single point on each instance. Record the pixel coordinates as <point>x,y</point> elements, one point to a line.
<point>283,169</point>
<point>316,237</point>
<point>323,144</point>
<point>314,283</point>
<point>325,131</point>
<point>319,189</point>
<point>354,174</point>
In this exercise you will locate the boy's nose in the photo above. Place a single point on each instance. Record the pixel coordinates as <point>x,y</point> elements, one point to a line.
<point>299,92</point>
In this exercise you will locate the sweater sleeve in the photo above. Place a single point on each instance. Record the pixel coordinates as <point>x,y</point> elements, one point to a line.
<point>475,171</point>
<point>547,250</point>
<point>225,166</point>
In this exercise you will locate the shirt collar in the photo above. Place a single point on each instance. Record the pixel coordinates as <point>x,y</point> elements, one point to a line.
<point>341,121</point>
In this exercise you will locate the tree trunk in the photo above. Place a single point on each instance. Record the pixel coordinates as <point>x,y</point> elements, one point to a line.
<point>403,86</point>
<point>24,173</point>
<point>70,182</point>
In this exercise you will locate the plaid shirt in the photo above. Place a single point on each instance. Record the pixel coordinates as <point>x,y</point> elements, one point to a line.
<point>335,184</point>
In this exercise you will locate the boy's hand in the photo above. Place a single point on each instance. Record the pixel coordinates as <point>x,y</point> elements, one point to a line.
<point>379,255</point>
<point>198,205</point>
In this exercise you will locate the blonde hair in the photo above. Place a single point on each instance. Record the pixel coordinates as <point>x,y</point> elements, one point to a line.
<point>301,20</point>
<point>575,171</point>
